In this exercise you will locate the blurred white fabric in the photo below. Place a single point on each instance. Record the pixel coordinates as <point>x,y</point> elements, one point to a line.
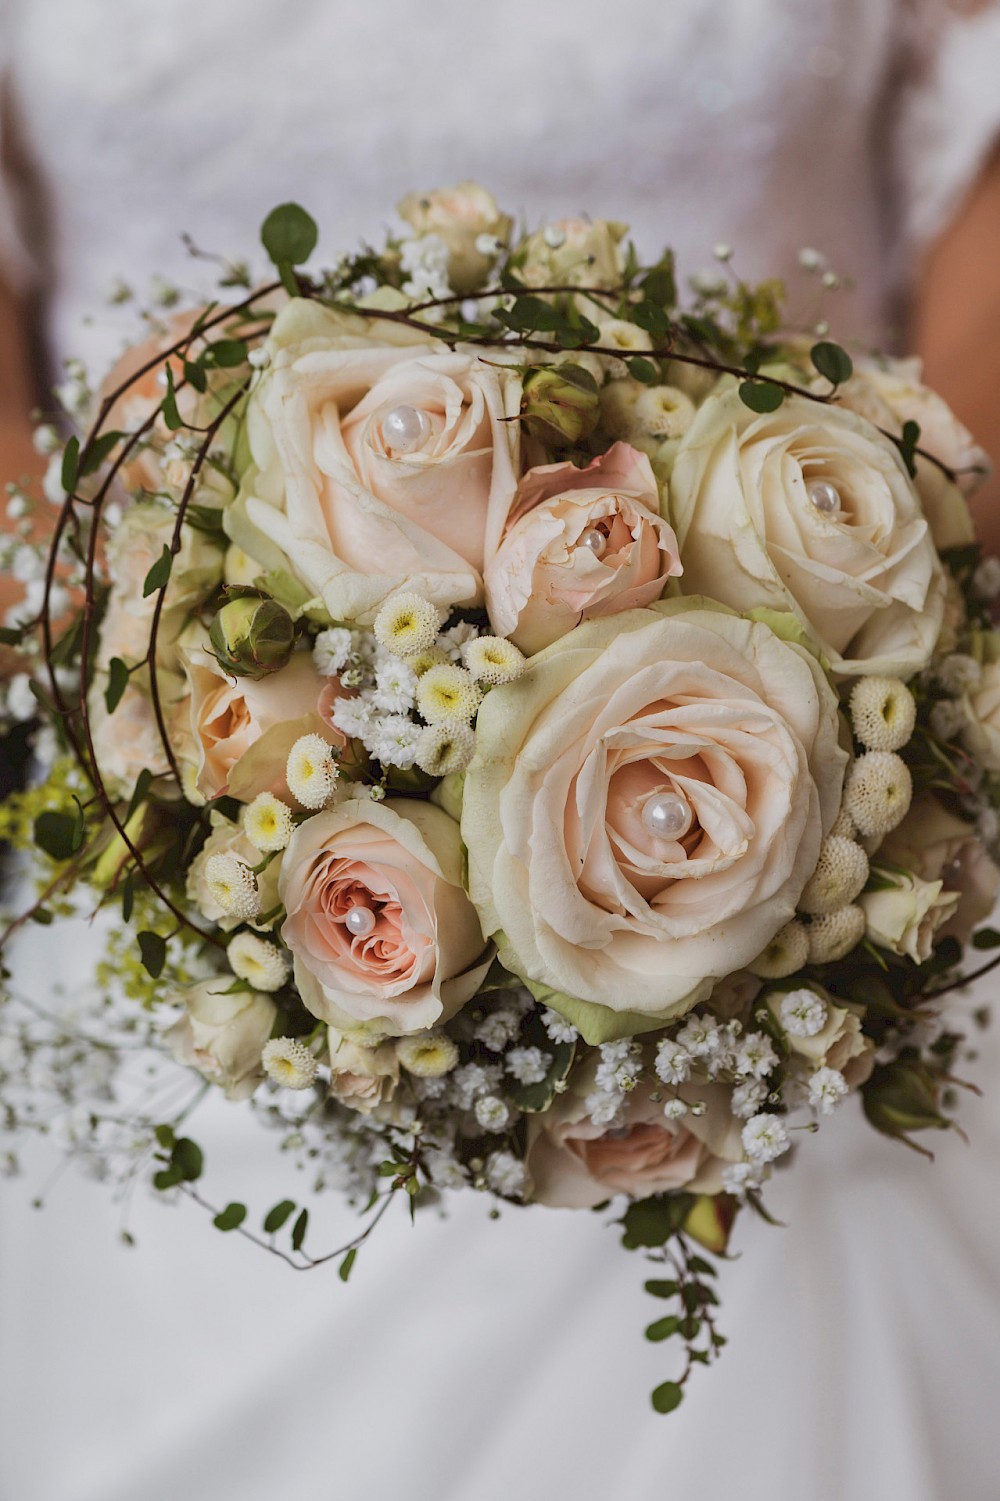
<point>472,1361</point>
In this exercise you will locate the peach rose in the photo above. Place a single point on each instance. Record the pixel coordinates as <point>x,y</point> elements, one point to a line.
<point>377,466</point>
<point>579,543</point>
<point>574,1164</point>
<point>223,1036</point>
<point>362,1077</point>
<point>421,955</point>
<point>235,733</point>
<point>938,846</point>
<point>645,806</point>
<point>458,216</point>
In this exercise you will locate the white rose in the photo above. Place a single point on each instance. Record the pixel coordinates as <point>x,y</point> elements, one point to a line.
<point>865,580</point>
<point>906,916</point>
<point>458,216</point>
<point>362,1077</point>
<point>223,1036</point>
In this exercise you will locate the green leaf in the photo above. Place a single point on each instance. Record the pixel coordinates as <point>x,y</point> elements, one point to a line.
<point>207,519</point>
<point>168,1177</point>
<point>299,1230</point>
<point>68,644</point>
<point>832,361</point>
<point>11,635</point>
<point>660,1289</point>
<point>703,1268</point>
<point>986,938</point>
<point>667,1396</point>
<point>761,395</point>
<point>276,1217</point>
<point>651,1222</point>
<point>171,414</point>
<point>289,235</point>
<point>230,1218</point>
<point>58,834</point>
<point>165,1136</point>
<point>153,950</point>
<point>344,1269</point>
<point>594,1023</point>
<point>187,1157</point>
<point>97,451</point>
<point>225,353</point>
<point>118,676</point>
<point>70,465</point>
<point>195,376</point>
<point>159,575</point>
<point>653,319</point>
<point>43,917</point>
<point>643,370</point>
<point>659,285</point>
<point>663,1329</point>
<point>143,782</point>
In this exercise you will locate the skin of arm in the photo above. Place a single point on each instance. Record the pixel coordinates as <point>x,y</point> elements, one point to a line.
<point>18,459</point>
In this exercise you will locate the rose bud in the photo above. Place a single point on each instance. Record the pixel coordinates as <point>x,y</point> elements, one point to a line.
<point>903,1097</point>
<point>560,404</point>
<point>711,1220</point>
<point>252,635</point>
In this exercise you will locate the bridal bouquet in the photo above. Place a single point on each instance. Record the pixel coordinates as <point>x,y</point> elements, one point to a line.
<point>538,735</point>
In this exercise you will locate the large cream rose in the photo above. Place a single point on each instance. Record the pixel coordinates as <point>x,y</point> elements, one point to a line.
<point>223,1035</point>
<point>864,580</point>
<point>681,701</point>
<point>547,577</point>
<point>574,1164</point>
<point>336,496</point>
<point>424,955</point>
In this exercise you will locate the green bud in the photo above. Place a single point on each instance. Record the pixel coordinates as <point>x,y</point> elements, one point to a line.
<point>252,634</point>
<point>560,404</point>
<point>902,1097</point>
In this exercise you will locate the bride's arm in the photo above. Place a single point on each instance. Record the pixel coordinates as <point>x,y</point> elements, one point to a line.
<point>18,459</point>
<point>957,329</point>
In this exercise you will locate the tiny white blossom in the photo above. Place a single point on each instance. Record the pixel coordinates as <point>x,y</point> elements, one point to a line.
<point>444,1171</point>
<point>528,1065</point>
<point>472,1080</point>
<point>700,1036</point>
<point>747,1098</point>
<point>497,1029</point>
<point>986,579</point>
<point>21,702</point>
<point>948,718</point>
<point>675,1110</point>
<point>395,686</point>
<point>603,1108</point>
<point>673,1062</point>
<point>353,717</point>
<point>506,1175</point>
<point>492,1113</point>
<point>827,1087</point>
<point>332,650</point>
<point>755,1056</point>
<point>765,1137</point>
<point>262,964</point>
<point>233,886</point>
<point>957,673</point>
<point>803,1013</point>
<point>311,771</point>
<point>740,1178</point>
<point>394,741</point>
<point>558,1028</point>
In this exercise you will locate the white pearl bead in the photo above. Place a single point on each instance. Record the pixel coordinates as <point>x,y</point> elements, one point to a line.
<point>667,815</point>
<point>360,921</point>
<point>824,496</point>
<point>595,540</point>
<point>405,428</point>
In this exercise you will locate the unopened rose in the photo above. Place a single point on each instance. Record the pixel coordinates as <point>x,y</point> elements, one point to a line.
<point>864,579</point>
<point>545,578</point>
<point>840,1044</point>
<point>574,1164</point>
<point>458,216</point>
<point>424,954</point>
<point>936,845</point>
<point>223,1036</point>
<point>339,495</point>
<point>683,701</point>
<point>907,915</point>
<point>362,1077</point>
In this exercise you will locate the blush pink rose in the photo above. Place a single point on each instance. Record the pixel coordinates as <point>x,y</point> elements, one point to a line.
<point>574,1164</point>
<point>580,543</point>
<point>936,845</point>
<point>424,954</point>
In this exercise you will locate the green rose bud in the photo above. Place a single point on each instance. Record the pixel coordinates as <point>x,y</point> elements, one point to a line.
<point>561,404</point>
<point>252,634</point>
<point>903,1097</point>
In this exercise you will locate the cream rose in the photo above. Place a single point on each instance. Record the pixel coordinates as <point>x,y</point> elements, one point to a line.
<point>906,915</point>
<point>421,955</point>
<point>839,1043</point>
<point>234,734</point>
<point>646,805</point>
<point>981,733</point>
<point>937,846</point>
<point>362,1077</point>
<point>574,1164</point>
<point>377,466</point>
<point>580,543</point>
<point>863,578</point>
<point>458,216</point>
<point>574,252</point>
<point>223,1036</point>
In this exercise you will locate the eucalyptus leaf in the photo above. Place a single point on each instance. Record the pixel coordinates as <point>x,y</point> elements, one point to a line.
<point>761,395</point>
<point>153,951</point>
<point>118,676</point>
<point>230,1218</point>
<point>159,575</point>
<point>289,235</point>
<point>667,1396</point>
<point>832,361</point>
<point>276,1217</point>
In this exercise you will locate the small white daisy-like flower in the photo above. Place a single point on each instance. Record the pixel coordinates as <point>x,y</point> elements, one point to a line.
<point>673,1062</point>
<point>803,1013</point>
<point>289,1063</point>
<point>528,1065</point>
<point>883,713</point>
<point>492,1113</point>
<point>448,695</point>
<point>394,741</point>
<point>700,1036</point>
<point>311,771</point>
<point>422,661</point>
<point>755,1056</point>
<point>406,624</point>
<point>843,826</point>
<point>233,886</point>
<point>263,965</point>
<point>827,1087</point>
<point>506,1174</point>
<point>948,718</point>
<point>493,660</point>
<point>663,412</point>
<point>764,1138</point>
<point>786,953</point>
<point>427,1054</point>
<point>395,686</point>
<point>445,748</point>
<point>268,823</point>
<point>840,874</point>
<point>675,1110</point>
<point>332,650</point>
<point>833,936</point>
<point>747,1098</point>
<point>878,792</point>
<point>558,1028</point>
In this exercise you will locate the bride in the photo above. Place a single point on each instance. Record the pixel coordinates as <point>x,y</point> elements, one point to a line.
<point>469,1360</point>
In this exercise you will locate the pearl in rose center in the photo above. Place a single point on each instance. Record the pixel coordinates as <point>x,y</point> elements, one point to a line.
<point>667,815</point>
<point>594,539</point>
<point>824,496</point>
<point>360,921</point>
<point>405,428</point>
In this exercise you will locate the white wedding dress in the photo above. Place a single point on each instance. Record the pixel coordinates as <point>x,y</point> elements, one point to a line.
<point>470,1360</point>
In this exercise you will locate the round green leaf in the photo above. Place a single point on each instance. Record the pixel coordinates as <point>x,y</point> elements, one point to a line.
<point>832,361</point>
<point>667,1396</point>
<point>289,235</point>
<point>761,395</point>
